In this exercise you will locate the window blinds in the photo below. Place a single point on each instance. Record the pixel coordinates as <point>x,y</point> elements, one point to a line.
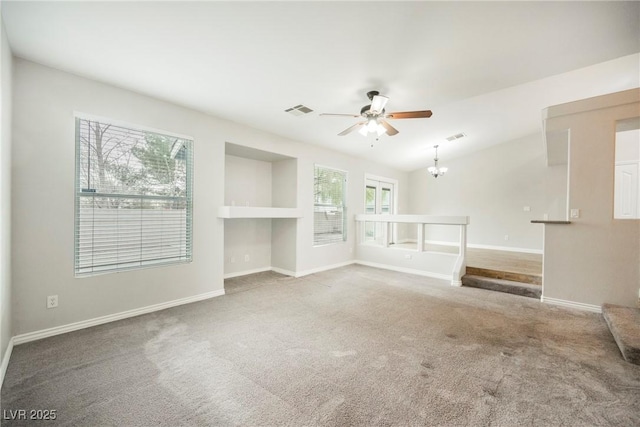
<point>133,198</point>
<point>329,214</point>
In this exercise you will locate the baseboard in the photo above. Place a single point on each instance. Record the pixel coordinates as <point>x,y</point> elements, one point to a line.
<point>5,361</point>
<point>45,333</point>
<point>405,270</point>
<point>283,271</point>
<point>289,272</point>
<point>571,304</point>
<point>245,272</point>
<point>491,247</point>
<point>323,268</point>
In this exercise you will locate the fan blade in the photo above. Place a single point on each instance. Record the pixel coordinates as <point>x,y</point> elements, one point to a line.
<point>352,128</point>
<point>425,114</point>
<point>377,104</point>
<point>340,115</point>
<point>390,129</point>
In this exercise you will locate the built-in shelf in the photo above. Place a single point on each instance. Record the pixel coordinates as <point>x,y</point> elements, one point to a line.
<point>259,211</point>
<point>546,221</point>
<point>229,212</point>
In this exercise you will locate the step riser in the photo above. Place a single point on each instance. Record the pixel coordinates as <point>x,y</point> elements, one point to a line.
<point>525,290</point>
<point>624,324</point>
<point>505,275</point>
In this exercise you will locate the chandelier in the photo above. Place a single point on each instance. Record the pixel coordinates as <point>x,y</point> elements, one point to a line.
<point>434,170</point>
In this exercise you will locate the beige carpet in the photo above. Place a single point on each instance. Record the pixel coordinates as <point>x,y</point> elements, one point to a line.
<point>351,346</point>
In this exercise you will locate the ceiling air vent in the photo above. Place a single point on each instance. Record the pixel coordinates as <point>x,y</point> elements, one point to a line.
<point>298,110</point>
<point>456,136</point>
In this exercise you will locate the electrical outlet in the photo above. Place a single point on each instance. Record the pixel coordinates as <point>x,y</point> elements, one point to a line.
<point>575,213</point>
<point>52,301</point>
<point>545,217</point>
<point>246,258</point>
<point>506,237</point>
<point>407,256</point>
<point>233,259</point>
<point>527,209</point>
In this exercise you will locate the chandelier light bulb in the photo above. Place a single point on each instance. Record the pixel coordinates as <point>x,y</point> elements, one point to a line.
<point>372,126</point>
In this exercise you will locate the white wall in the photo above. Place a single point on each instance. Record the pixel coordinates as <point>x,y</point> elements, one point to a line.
<point>308,257</point>
<point>43,201</point>
<point>311,257</point>
<point>247,183</point>
<point>284,184</point>
<point>43,198</point>
<point>492,187</point>
<point>283,231</point>
<point>594,259</point>
<point>5,193</point>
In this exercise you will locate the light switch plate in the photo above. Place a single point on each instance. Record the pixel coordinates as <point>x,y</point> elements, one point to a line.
<point>575,213</point>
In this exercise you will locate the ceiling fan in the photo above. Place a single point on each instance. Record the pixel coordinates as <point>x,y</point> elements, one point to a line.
<point>375,115</point>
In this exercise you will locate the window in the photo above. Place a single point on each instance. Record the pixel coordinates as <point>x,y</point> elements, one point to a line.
<point>379,199</point>
<point>133,198</point>
<point>329,213</point>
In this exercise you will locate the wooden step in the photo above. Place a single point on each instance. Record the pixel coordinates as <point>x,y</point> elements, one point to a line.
<point>532,279</point>
<point>501,285</point>
<point>624,324</point>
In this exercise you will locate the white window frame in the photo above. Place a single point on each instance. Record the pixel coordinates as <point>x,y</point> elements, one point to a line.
<point>84,271</point>
<point>370,179</point>
<point>344,206</point>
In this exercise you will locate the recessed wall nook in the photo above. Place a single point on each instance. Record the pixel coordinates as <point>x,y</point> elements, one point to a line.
<point>260,211</point>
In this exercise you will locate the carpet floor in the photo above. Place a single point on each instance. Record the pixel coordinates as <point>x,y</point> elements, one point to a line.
<point>350,346</point>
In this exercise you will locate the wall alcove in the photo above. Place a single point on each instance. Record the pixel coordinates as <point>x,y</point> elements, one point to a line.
<point>260,211</point>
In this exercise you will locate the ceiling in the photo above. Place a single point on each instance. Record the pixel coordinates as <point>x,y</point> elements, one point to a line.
<point>483,68</point>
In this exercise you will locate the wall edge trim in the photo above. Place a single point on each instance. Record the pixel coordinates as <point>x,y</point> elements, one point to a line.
<point>283,271</point>
<point>245,272</point>
<point>571,304</point>
<point>323,268</point>
<point>83,324</point>
<point>5,361</point>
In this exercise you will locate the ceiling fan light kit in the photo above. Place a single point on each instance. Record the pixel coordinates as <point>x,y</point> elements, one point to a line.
<point>375,115</point>
<point>434,170</point>
<point>373,126</point>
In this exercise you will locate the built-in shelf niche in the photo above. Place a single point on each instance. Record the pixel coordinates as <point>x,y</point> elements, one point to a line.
<point>257,178</point>
<point>230,212</point>
<point>260,210</point>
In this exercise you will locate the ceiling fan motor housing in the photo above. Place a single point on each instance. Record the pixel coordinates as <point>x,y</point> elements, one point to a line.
<point>365,111</point>
<point>371,94</point>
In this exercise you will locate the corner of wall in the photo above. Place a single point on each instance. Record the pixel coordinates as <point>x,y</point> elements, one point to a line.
<point>6,329</point>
